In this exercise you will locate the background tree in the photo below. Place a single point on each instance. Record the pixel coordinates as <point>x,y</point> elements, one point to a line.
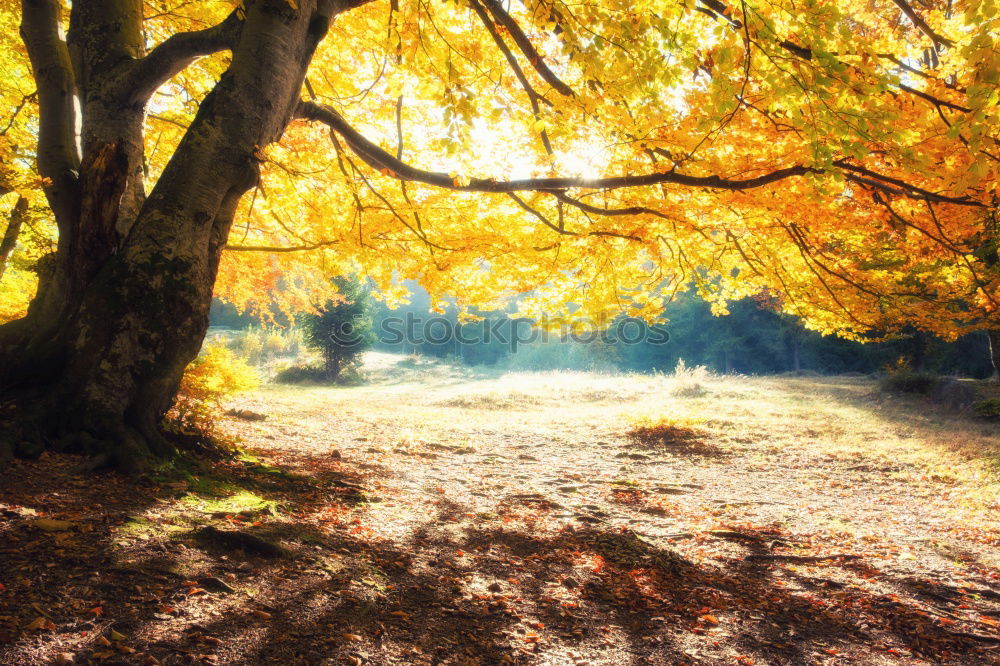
<point>597,154</point>
<point>342,329</point>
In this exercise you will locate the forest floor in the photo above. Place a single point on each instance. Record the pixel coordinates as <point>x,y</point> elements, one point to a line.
<point>440,516</point>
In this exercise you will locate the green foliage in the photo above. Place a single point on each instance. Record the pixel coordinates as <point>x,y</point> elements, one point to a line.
<point>302,373</point>
<point>908,381</point>
<point>987,409</point>
<point>342,330</point>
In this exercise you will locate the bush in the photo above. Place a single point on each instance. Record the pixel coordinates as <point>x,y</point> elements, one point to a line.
<point>908,381</point>
<point>215,375</point>
<point>312,374</point>
<point>988,409</point>
<point>259,346</point>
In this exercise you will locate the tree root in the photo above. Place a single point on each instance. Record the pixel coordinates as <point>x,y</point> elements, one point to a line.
<point>30,427</point>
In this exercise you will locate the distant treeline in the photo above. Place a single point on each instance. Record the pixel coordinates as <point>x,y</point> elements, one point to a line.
<point>752,339</point>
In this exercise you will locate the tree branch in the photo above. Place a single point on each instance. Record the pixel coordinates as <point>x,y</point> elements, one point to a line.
<point>501,16</point>
<point>379,159</point>
<point>58,156</point>
<point>805,53</point>
<point>905,188</point>
<point>174,54</point>
<point>280,248</point>
<point>533,96</point>
<point>17,217</point>
<point>921,24</point>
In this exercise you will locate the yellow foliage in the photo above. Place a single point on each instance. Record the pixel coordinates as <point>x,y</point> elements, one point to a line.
<point>16,290</point>
<point>217,374</point>
<point>890,218</point>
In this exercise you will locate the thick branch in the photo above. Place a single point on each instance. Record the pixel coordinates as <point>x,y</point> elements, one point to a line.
<point>501,16</point>
<point>378,158</point>
<point>174,54</point>
<point>381,160</point>
<point>50,64</point>
<point>17,218</point>
<point>936,39</point>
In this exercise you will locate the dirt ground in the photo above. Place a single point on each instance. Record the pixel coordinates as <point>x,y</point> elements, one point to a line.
<point>440,516</point>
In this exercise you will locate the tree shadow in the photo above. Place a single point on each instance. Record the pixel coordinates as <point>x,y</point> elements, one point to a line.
<point>454,589</point>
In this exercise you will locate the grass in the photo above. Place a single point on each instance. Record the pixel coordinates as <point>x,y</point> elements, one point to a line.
<point>842,420</point>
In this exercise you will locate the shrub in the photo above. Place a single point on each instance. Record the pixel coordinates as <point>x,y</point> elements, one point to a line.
<point>908,381</point>
<point>301,374</point>
<point>988,409</point>
<point>215,375</point>
<point>250,345</point>
<point>312,374</point>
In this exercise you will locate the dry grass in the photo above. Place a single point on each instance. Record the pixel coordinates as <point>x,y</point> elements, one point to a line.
<point>803,425</point>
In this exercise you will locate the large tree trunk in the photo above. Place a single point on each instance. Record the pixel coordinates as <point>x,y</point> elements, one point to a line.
<point>96,365</point>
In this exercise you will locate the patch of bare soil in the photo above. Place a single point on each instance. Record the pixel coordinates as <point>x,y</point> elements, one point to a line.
<point>516,521</point>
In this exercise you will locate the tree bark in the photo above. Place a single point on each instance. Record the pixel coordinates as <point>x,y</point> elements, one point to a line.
<point>126,308</point>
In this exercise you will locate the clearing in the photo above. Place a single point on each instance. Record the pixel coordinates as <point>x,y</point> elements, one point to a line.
<point>442,516</point>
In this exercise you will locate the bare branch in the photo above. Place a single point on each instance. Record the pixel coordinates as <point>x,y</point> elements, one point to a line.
<point>17,109</point>
<point>174,54</point>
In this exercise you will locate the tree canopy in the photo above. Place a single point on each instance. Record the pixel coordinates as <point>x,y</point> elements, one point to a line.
<point>841,154</point>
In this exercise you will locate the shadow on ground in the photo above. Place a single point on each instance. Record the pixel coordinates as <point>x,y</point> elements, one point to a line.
<point>131,579</point>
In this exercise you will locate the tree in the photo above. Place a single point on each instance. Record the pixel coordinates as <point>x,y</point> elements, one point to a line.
<point>598,154</point>
<point>342,328</point>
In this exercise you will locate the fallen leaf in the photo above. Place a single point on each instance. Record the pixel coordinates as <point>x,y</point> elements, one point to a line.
<point>41,624</point>
<point>52,525</point>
